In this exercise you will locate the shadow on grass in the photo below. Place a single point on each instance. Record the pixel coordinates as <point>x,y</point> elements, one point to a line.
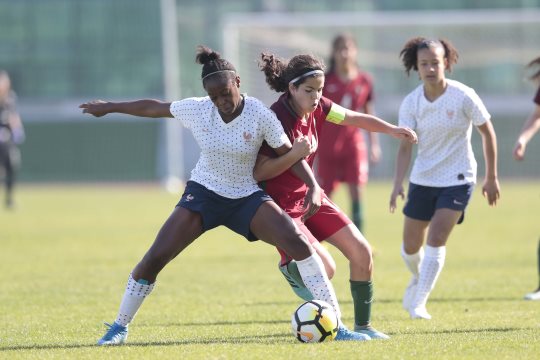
<point>398,301</point>
<point>215,323</point>
<point>270,339</point>
<point>465,331</point>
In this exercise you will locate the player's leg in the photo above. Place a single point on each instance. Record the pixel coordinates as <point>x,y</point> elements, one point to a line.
<point>273,226</point>
<point>412,253</point>
<point>4,164</point>
<point>355,174</point>
<point>357,250</point>
<point>418,211</point>
<point>440,228</point>
<point>179,230</point>
<point>336,228</point>
<point>355,195</point>
<point>450,204</point>
<point>535,295</point>
<point>12,161</point>
<point>288,267</point>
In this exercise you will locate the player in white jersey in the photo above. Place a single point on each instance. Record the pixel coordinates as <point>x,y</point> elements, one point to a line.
<point>442,112</point>
<point>229,128</point>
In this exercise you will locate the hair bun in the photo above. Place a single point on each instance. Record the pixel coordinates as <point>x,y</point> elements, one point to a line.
<point>206,55</point>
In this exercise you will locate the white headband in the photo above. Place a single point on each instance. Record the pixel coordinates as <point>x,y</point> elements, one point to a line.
<point>215,72</point>
<point>312,72</point>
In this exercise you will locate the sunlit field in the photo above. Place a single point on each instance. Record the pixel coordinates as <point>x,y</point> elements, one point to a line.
<point>66,252</point>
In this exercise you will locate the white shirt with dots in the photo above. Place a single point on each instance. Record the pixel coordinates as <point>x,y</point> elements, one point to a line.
<point>228,150</point>
<point>444,126</point>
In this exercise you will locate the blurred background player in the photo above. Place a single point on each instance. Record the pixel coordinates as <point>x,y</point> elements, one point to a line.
<point>344,155</point>
<point>302,111</point>
<point>11,135</point>
<point>442,112</point>
<point>530,128</point>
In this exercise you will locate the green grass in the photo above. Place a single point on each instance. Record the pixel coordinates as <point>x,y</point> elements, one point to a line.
<point>66,253</point>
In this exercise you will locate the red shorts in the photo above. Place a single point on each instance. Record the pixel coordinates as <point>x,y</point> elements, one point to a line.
<point>325,223</point>
<point>349,165</point>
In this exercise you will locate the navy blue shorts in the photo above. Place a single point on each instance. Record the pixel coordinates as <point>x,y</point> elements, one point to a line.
<point>423,201</point>
<point>216,210</point>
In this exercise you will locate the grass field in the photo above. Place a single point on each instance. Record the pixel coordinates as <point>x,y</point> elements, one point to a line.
<point>66,252</point>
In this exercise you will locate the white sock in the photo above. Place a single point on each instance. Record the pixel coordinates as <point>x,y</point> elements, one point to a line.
<point>429,272</point>
<point>317,282</point>
<point>132,300</point>
<point>413,261</point>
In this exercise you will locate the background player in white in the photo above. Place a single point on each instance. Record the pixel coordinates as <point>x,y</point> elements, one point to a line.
<point>442,112</point>
<point>530,128</point>
<point>229,128</point>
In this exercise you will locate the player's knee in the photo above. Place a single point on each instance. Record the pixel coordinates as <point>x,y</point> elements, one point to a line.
<point>362,258</point>
<point>330,269</point>
<point>153,262</point>
<point>297,246</point>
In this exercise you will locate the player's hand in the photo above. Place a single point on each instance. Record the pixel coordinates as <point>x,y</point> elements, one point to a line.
<point>519,151</point>
<point>491,191</point>
<point>312,202</point>
<point>97,108</point>
<point>397,191</point>
<point>375,154</point>
<point>403,133</point>
<point>301,147</point>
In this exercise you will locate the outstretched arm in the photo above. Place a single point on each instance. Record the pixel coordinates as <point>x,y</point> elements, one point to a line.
<point>144,108</point>
<point>375,124</point>
<point>490,189</point>
<point>531,127</point>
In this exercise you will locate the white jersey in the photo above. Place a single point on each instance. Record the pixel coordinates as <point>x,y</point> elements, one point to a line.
<point>228,151</point>
<point>444,127</point>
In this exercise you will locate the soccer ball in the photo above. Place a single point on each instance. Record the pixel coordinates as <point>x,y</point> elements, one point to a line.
<point>314,321</point>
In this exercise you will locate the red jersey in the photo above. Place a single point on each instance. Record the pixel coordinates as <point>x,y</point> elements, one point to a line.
<point>287,190</point>
<point>352,95</point>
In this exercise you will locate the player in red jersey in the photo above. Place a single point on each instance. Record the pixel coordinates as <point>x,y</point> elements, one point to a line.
<point>302,111</point>
<point>344,154</point>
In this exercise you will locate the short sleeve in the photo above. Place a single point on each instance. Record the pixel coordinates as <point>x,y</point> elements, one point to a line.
<point>186,110</point>
<point>274,136</point>
<point>474,108</point>
<point>407,113</point>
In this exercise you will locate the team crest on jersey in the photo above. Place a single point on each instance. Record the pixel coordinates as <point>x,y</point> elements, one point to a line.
<point>450,113</point>
<point>189,197</point>
<point>247,136</point>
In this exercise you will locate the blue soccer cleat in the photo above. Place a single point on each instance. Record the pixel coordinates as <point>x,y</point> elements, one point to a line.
<point>371,332</point>
<point>116,335</point>
<point>344,334</point>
